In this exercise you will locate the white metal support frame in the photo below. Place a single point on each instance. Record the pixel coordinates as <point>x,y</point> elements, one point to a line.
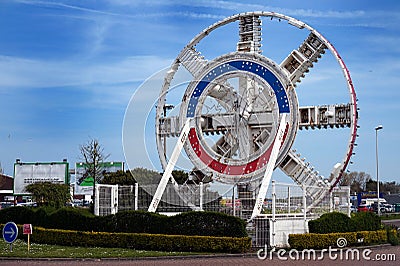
<point>304,207</point>
<point>96,200</point>
<point>201,195</point>
<point>270,168</point>
<point>171,164</point>
<point>136,196</point>
<point>114,199</point>
<point>273,233</point>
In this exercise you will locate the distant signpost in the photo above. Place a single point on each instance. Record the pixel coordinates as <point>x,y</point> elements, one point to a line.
<point>10,233</point>
<point>27,231</point>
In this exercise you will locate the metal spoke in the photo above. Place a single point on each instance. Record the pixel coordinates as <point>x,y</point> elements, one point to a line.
<point>304,174</point>
<point>325,116</point>
<point>249,34</point>
<point>192,60</point>
<point>299,61</point>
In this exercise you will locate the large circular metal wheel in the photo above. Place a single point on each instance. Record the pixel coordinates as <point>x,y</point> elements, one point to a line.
<point>240,97</point>
<point>236,101</point>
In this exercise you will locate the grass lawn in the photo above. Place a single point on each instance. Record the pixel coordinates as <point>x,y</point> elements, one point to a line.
<point>20,249</point>
<point>391,216</point>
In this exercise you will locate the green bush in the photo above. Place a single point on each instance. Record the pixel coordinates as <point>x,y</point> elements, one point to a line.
<point>366,221</point>
<point>189,223</point>
<point>361,228</point>
<point>319,241</point>
<point>393,237</point>
<point>372,237</point>
<point>333,222</point>
<point>70,219</point>
<point>206,223</point>
<point>141,241</point>
<point>41,215</point>
<point>339,222</point>
<point>135,222</point>
<point>393,234</point>
<point>18,215</point>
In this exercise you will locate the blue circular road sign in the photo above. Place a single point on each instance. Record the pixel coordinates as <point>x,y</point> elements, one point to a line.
<point>10,232</point>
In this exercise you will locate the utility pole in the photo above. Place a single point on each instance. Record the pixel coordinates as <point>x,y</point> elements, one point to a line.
<point>377,168</point>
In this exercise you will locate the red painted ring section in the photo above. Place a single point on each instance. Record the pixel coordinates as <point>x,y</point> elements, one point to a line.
<point>227,169</point>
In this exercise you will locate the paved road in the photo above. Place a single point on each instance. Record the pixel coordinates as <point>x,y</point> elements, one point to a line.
<point>391,254</point>
<point>394,222</point>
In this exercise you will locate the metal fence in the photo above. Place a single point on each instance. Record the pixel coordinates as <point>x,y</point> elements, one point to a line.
<point>282,199</point>
<point>286,210</point>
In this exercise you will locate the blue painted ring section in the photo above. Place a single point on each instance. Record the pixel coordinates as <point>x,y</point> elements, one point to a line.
<point>240,65</point>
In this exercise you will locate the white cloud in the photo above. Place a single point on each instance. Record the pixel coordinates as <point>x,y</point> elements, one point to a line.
<point>28,73</point>
<point>225,5</point>
<point>66,6</point>
<point>131,7</point>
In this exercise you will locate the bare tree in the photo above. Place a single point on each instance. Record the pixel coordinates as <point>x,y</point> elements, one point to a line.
<point>92,153</point>
<point>356,180</point>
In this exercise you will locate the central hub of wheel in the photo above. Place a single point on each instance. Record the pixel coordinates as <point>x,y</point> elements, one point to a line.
<point>236,103</point>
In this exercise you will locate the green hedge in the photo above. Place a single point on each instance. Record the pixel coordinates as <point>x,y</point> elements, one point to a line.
<point>319,241</point>
<point>207,224</point>
<point>336,222</point>
<point>69,219</point>
<point>366,221</point>
<point>141,241</point>
<point>18,215</point>
<point>187,223</point>
<point>332,222</point>
<point>133,222</point>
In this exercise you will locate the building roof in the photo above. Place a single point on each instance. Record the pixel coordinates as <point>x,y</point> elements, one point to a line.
<point>6,182</point>
<point>392,198</point>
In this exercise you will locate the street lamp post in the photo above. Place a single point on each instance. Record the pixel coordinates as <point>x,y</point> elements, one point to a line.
<point>377,168</point>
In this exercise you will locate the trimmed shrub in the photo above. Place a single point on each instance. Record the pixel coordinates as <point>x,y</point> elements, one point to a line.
<point>137,241</point>
<point>338,222</point>
<point>372,237</point>
<point>41,215</point>
<point>141,241</point>
<point>70,219</point>
<point>18,215</point>
<point>319,241</point>
<point>189,223</point>
<point>333,222</point>
<point>206,223</point>
<point>393,237</point>
<point>135,222</point>
<point>366,221</point>
<point>393,234</point>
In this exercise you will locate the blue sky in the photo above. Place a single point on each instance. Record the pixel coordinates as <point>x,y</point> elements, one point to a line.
<point>68,70</point>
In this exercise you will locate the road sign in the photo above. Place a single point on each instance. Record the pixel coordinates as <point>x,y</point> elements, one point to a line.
<point>27,229</point>
<point>10,232</point>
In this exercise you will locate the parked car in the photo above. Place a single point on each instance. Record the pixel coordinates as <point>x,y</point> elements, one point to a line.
<point>27,204</point>
<point>381,207</point>
<point>389,207</point>
<point>4,205</point>
<point>364,208</point>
